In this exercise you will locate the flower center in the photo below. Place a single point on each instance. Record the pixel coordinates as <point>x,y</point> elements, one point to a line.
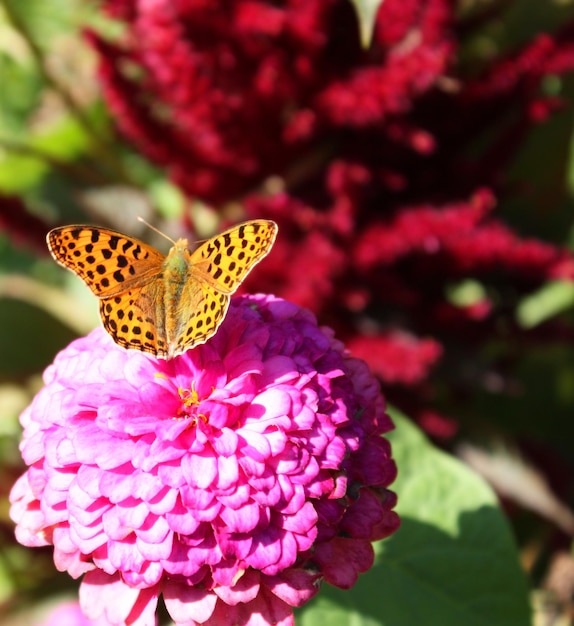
<point>189,402</point>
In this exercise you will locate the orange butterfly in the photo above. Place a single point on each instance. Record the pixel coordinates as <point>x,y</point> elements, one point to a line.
<point>160,304</point>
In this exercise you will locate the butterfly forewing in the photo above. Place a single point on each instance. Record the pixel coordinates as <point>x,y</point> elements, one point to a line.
<point>107,261</point>
<point>225,260</point>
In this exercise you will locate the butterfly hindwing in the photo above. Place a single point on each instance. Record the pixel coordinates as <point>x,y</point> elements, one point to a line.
<point>202,318</point>
<point>136,319</point>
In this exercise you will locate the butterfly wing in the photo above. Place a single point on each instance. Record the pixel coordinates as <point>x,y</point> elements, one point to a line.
<point>202,309</point>
<point>225,260</point>
<point>135,319</point>
<point>107,261</point>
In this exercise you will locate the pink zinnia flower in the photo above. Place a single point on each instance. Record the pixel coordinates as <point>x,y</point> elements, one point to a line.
<point>231,479</point>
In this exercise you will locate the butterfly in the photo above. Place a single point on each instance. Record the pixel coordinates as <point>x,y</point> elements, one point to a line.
<point>161,304</point>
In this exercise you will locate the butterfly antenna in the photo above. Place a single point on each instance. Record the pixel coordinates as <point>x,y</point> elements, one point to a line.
<point>157,230</point>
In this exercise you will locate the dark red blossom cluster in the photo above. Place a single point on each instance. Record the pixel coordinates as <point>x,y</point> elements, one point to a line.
<point>23,227</point>
<point>391,160</point>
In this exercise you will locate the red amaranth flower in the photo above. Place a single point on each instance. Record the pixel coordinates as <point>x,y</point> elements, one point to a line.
<point>231,479</point>
<point>20,225</point>
<point>241,78</point>
<point>397,358</point>
<point>229,73</point>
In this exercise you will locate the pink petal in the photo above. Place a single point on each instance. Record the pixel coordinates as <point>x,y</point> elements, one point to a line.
<point>102,594</point>
<point>264,610</point>
<point>341,560</point>
<point>185,604</point>
<point>228,471</point>
<point>200,470</point>
<point>244,590</point>
<point>278,370</point>
<point>242,520</point>
<point>294,586</point>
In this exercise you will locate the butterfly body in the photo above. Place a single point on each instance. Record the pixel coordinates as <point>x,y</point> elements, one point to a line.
<point>160,304</point>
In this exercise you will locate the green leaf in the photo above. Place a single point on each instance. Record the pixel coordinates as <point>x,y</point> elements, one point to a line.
<point>167,197</point>
<point>21,96</point>
<point>367,12</point>
<point>45,20</point>
<point>466,293</point>
<point>65,140</point>
<point>452,562</point>
<point>29,338</point>
<point>550,300</point>
<point>19,173</point>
